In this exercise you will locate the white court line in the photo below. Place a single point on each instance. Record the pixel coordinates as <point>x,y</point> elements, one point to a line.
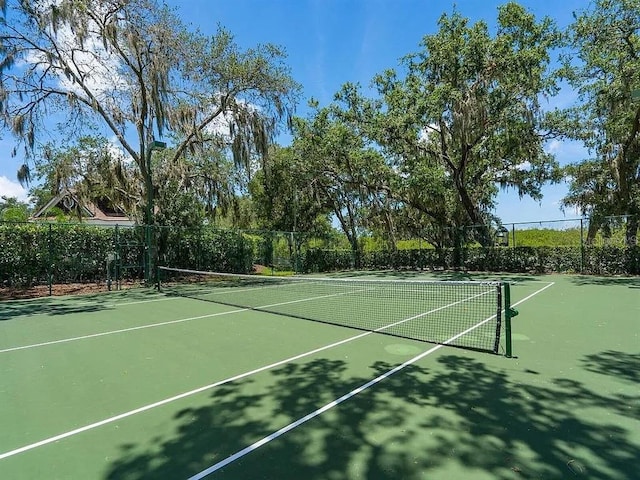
<point>113,332</point>
<point>152,325</point>
<point>106,421</point>
<point>338,401</point>
<point>83,304</point>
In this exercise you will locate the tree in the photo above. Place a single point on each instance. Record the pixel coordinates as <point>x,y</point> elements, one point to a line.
<point>343,173</point>
<point>283,198</point>
<point>13,210</point>
<point>133,68</point>
<point>591,189</point>
<point>200,186</point>
<point>467,117</point>
<point>604,68</point>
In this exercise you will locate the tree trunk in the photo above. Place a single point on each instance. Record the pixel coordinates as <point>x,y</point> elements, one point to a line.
<point>483,234</point>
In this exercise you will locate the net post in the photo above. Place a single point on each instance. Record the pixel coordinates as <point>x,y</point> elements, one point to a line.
<point>509,313</point>
<point>157,282</point>
<point>50,260</point>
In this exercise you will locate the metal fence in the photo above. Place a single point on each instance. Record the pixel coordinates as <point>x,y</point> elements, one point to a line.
<point>52,254</point>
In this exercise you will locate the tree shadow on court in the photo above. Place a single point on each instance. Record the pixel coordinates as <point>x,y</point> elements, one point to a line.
<point>621,365</point>
<point>56,306</point>
<point>9,311</point>
<point>455,419</point>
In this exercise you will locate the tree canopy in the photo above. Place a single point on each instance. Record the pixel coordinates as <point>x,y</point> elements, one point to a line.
<point>13,210</point>
<point>133,68</point>
<point>423,153</point>
<point>467,117</point>
<point>604,68</point>
<point>429,153</point>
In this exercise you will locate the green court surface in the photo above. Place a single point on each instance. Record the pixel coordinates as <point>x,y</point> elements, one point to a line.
<point>140,384</point>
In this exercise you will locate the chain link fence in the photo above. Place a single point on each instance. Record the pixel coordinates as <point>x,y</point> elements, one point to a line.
<point>57,256</point>
<point>54,256</point>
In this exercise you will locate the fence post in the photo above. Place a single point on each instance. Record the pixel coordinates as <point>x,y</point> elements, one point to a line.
<point>118,262</point>
<point>199,262</point>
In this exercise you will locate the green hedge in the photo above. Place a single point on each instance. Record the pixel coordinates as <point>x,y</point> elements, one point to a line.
<point>323,260</point>
<point>36,254</point>
<point>605,260</point>
<point>208,249</point>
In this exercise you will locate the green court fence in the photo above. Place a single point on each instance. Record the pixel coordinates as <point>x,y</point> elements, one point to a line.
<point>36,254</point>
<point>49,254</point>
<point>605,246</point>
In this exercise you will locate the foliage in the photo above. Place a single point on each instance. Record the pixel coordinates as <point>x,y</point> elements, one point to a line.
<point>32,254</point>
<point>426,157</point>
<point>13,210</point>
<point>282,197</point>
<point>207,248</point>
<point>604,67</point>
<point>467,118</point>
<point>344,174</point>
<point>93,171</point>
<point>601,260</point>
<point>544,237</point>
<point>36,254</point>
<point>134,68</point>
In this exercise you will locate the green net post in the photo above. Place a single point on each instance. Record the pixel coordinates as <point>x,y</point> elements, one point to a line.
<point>50,260</point>
<point>509,313</point>
<point>581,246</point>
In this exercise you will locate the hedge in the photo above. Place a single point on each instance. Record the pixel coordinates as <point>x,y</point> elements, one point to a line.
<point>36,254</point>
<point>32,254</point>
<point>597,260</point>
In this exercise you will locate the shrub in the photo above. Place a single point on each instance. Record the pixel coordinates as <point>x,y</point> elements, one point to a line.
<point>600,260</point>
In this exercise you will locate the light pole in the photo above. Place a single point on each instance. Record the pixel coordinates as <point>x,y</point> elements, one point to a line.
<point>154,145</point>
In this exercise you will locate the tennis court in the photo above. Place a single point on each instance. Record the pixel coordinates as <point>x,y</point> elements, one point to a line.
<point>195,384</point>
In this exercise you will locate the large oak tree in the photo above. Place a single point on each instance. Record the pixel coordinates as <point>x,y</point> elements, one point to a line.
<point>132,68</point>
<point>604,68</point>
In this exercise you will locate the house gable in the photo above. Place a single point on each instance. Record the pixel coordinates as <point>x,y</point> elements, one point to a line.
<point>90,213</point>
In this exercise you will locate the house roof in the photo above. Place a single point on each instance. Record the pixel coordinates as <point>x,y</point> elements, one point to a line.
<point>89,212</point>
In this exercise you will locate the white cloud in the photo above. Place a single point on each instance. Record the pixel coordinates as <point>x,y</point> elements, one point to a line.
<point>567,151</point>
<point>554,146</point>
<point>9,188</point>
<point>89,60</point>
<point>220,125</point>
<point>117,152</point>
<point>523,166</point>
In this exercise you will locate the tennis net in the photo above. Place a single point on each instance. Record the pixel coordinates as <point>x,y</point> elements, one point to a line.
<point>465,314</point>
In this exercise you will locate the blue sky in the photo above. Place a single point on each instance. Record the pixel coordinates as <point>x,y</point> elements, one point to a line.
<point>330,42</point>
